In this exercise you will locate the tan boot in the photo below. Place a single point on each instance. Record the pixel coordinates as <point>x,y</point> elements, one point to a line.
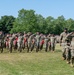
<point>71,65</point>
<point>68,62</point>
<point>63,58</point>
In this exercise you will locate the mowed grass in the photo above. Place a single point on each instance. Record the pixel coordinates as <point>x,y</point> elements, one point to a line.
<point>41,63</point>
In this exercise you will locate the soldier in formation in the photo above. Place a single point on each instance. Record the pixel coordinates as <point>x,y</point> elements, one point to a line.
<point>67,43</point>
<point>27,41</point>
<point>1,41</point>
<point>38,41</point>
<point>63,42</point>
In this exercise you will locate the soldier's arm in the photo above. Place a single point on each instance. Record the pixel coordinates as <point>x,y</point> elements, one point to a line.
<point>61,37</point>
<point>48,38</point>
<point>55,39</point>
<point>69,34</point>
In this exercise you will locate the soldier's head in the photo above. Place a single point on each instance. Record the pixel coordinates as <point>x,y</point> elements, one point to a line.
<point>52,35</point>
<point>29,33</point>
<point>10,35</point>
<point>49,34</point>
<point>41,34</point>
<point>65,30</point>
<point>37,33</point>
<point>16,35</point>
<point>1,32</point>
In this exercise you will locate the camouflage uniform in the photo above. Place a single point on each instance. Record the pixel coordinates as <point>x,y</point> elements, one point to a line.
<point>52,40</point>
<point>46,43</point>
<point>37,42</point>
<point>25,41</point>
<point>15,42</point>
<point>72,48</point>
<point>69,47</point>
<point>30,42</point>
<point>20,42</point>
<point>68,53</point>
<point>41,42</point>
<point>1,41</point>
<point>63,43</point>
<point>33,43</point>
<point>49,43</point>
<point>10,43</point>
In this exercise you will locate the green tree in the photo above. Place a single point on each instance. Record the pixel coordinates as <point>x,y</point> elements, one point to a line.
<point>70,24</point>
<point>6,23</point>
<point>41,24</point>
<point>59,25</point>
<point>26,21</point>
<point>50,24</point>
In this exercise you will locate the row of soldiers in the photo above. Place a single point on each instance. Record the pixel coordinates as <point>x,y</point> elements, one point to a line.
<point>30,41</point>
<point>37,41</point>
<point>67,43</point>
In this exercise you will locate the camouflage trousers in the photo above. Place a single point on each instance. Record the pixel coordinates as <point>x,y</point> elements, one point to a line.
<point>19,44</point>
<point>46,46</point>
<point>1,45</point>
<point>64,50</point>
<point>37,46</point>
<point>29,46</point>
<point>72,52</point>
<point>72,56</point>
<point>52,46</point>
<point>10,47</point>
<point>32,46</point>
<point>68,53</point>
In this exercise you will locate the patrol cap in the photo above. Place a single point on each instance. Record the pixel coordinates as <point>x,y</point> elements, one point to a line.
<point>65,29</point>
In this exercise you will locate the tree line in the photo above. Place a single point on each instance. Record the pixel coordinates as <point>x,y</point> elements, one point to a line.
<point>29,21</point>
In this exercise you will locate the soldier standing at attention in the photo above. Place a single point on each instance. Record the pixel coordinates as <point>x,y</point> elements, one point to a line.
<point>20,42</point>
<point>37,41</point>
<point>49,42</point>
<point>33,42</point>
<point>10,42</point>
<point>63,42</point>
<point>71,35</point>
<point>72,50</point>
<point>30,37</point>
<point>1,41</point>
<point>46,40</point>
<point>41,41</point>
<point>53,42</point>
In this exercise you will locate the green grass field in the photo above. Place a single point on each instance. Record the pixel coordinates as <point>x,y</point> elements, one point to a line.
<point>41,63</point>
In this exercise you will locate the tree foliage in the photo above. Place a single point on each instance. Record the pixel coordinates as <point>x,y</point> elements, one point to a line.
<point>6,23</point>
<point>29,21</point>
<point>26,21</point>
